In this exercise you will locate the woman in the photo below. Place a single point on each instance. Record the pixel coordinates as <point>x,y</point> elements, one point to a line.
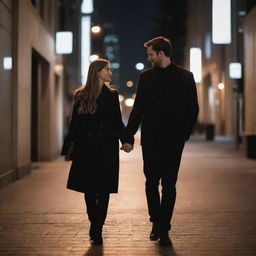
<point>94,131</point>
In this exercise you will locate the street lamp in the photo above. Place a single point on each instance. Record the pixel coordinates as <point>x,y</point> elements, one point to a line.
<point>129,83</point>
<point>139,66</point>
<point>221,86</point>
<point>94,57</point>
<point>129,102</point>
<point>95,29</point>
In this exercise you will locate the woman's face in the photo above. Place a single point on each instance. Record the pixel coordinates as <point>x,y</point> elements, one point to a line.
<point>105,74</point>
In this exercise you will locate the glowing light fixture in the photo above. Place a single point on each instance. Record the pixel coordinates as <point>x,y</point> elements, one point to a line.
<point>196,63</point>
<point>235,70</point>
<point>64,42</point>
<point>7,63</point>
<point>58,68</point>
<point>221,21</point>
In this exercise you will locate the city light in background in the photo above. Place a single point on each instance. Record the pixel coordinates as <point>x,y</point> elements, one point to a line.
<point>121,98</point>
<point>235,70</point>
<point>129,83</point>
<point>58,68</point>
<point>64,42</point>
<point>85,46</point>
<point>221,86</point>
<point>7,63</point>
<point>196,63</point>
<point>96,29</point>
<point>221,21</point>
<point>129,102</point>
<point>115,65</point>
<point>94,57</point>
<point>139,66</point>
<point>87,7</point>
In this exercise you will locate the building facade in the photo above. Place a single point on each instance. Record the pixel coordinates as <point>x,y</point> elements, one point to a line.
<point>226,104</point>
<point>32,89</point>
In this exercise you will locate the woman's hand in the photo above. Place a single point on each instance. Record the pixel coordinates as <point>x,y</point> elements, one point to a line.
<point>127,147</point>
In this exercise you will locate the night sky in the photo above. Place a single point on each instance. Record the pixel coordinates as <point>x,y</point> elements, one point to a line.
<point>135,22</point>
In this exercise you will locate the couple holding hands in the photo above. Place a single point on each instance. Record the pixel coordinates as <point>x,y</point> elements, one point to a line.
<point>165,106</point>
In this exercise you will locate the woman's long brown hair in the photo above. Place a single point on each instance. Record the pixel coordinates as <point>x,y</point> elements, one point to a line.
<point>86,96</point>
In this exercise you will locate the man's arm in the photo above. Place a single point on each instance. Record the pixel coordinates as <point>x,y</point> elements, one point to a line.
<point>136,114</point>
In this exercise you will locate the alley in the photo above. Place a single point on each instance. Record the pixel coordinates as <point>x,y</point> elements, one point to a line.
<point>214,216</point>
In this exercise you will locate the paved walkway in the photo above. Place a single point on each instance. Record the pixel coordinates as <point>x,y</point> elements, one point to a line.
<point>215,213</point>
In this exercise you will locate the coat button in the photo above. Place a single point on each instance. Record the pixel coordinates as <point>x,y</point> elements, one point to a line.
<point>89,135</point>
<point>100,135</point>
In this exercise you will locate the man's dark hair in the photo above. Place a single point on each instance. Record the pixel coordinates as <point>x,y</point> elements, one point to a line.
<point>160,43</point>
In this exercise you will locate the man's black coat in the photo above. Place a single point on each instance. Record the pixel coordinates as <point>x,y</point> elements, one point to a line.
<point>166,106</point>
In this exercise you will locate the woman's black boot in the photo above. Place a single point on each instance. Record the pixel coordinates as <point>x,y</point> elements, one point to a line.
<point>97,235</point>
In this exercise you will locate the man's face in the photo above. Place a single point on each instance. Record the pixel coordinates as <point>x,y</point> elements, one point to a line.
<point>153,57</point>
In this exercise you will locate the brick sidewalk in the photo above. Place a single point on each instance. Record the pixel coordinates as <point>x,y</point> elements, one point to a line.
<point>215,213</point>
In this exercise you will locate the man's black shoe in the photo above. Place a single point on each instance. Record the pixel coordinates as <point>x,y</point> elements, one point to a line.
<point>154,235</point>
<point>98,240</point>
<point>165,239</point>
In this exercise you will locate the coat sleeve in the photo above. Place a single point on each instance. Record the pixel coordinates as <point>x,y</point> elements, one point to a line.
<point>136,114</point>
<point>70,137</point>
<point>192,107</point>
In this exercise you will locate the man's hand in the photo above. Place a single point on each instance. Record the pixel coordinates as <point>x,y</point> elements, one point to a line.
<point>127,147</point>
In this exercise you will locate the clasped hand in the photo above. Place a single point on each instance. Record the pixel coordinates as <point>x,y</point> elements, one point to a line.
<point>127,147</point>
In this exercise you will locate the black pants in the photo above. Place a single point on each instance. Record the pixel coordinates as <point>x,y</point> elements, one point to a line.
<point>97,207</point>
<point>161,164</point>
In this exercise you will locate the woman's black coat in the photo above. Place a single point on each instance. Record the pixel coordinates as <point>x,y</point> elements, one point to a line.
<point>95,166</point>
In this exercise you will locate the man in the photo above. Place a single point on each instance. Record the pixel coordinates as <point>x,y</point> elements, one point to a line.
<point>166,107</point>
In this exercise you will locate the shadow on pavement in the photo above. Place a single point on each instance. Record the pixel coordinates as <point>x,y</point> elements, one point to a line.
<point>166,251</point>
<point>95,250</point>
